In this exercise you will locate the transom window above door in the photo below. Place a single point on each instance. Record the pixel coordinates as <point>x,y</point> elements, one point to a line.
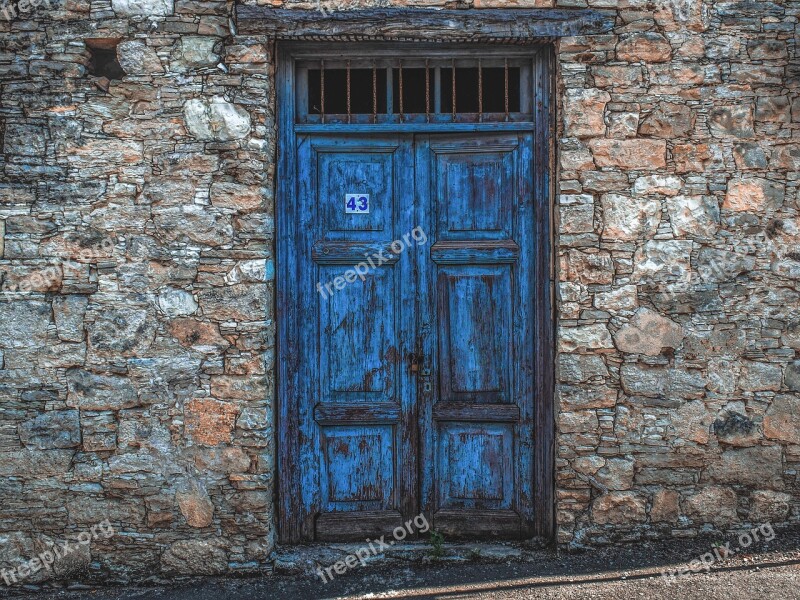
<point>414,90</point>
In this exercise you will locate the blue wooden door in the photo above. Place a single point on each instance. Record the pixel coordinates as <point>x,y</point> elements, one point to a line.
<point>413,381</point>
<point>357,461</point>
<point>477,291</point>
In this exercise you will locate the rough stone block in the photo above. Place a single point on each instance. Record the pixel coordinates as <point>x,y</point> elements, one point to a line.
<point>619,508</point>
<point>669,121</point>
<point>648,333</point>
<point>137,58</point>
<point>641,154</point>
<point>644,47</point>
<point>757,466</point>
<point>693,216</point>
<point>782,419</point>
<point>629,219</point>
<point>209,421</point>
<point>732,121</point>
<point>90,391</point>
<point>712,504</point>
<point>216,119</point>
<point>69,312</point>
<point>52,430</point>
<point>195,557</point>
<point>584,111</point>
<point>129,8</point>
<point>195,52</point>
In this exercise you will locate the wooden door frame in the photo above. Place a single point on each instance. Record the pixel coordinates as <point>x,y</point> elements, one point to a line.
<point>289,504</point>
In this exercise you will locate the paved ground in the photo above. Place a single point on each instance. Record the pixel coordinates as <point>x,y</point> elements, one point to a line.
<point>762,570</point>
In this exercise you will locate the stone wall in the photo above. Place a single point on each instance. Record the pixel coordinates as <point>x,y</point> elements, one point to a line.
<point>137,305</point>
<point>679,272</point>
<point>136,321</point>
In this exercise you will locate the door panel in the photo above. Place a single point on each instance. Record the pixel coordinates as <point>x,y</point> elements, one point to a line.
<point>474,327</point>
<point>357,406</point>
<point>478,295</point>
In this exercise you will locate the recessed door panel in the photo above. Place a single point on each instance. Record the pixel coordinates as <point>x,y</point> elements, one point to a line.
<point>358,338</point>
<point>356,183</point>
<point>474,327</point>
<point>358,468</point>
<point>475,188</point>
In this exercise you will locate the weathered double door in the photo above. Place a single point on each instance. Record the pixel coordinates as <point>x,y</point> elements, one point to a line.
<point>410,390</point>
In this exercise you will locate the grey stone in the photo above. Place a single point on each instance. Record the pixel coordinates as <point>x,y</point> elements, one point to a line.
<point>694,216</point>
<point>243,301</point>
<point>193,223</point>
<point>791,376</point>
<point>616,474</point>
<point>176,303</point>
<point>43,463</point>
<point>578,397</point>
<point>759,376</point>
<point>653,382</point>
<point>722,266</point>
<point>628,219</point>
<point>195,557</point>
<point>69,312</point>
<point>23,139</point>
<point>119,332</point>
<point>750,155</point>
<point>579,368</point>
<point>194,52</point>
<point>758,466</point>
<point>59,429</point>
<point>90,391</point>
<point>586,336</point>
<point>24,323</point>
<point>666,185</point>
<point>648,333</point>
<point>216,119</point>
<point>142,7</point>
<point>668,260</point>
<point>732,121</point>
<point>137,58</point>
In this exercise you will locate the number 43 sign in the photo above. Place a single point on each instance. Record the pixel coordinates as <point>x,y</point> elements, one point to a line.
<point>356,204</point>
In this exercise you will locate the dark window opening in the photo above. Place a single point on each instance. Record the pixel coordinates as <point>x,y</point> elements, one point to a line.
<point>417,96</point>
<point>468,85</point>
<point>103,59</point>
<point>414,90</point>
<point>365,91</point>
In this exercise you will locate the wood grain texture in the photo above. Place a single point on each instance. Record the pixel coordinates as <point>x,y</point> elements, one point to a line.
<point>499,25</point>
